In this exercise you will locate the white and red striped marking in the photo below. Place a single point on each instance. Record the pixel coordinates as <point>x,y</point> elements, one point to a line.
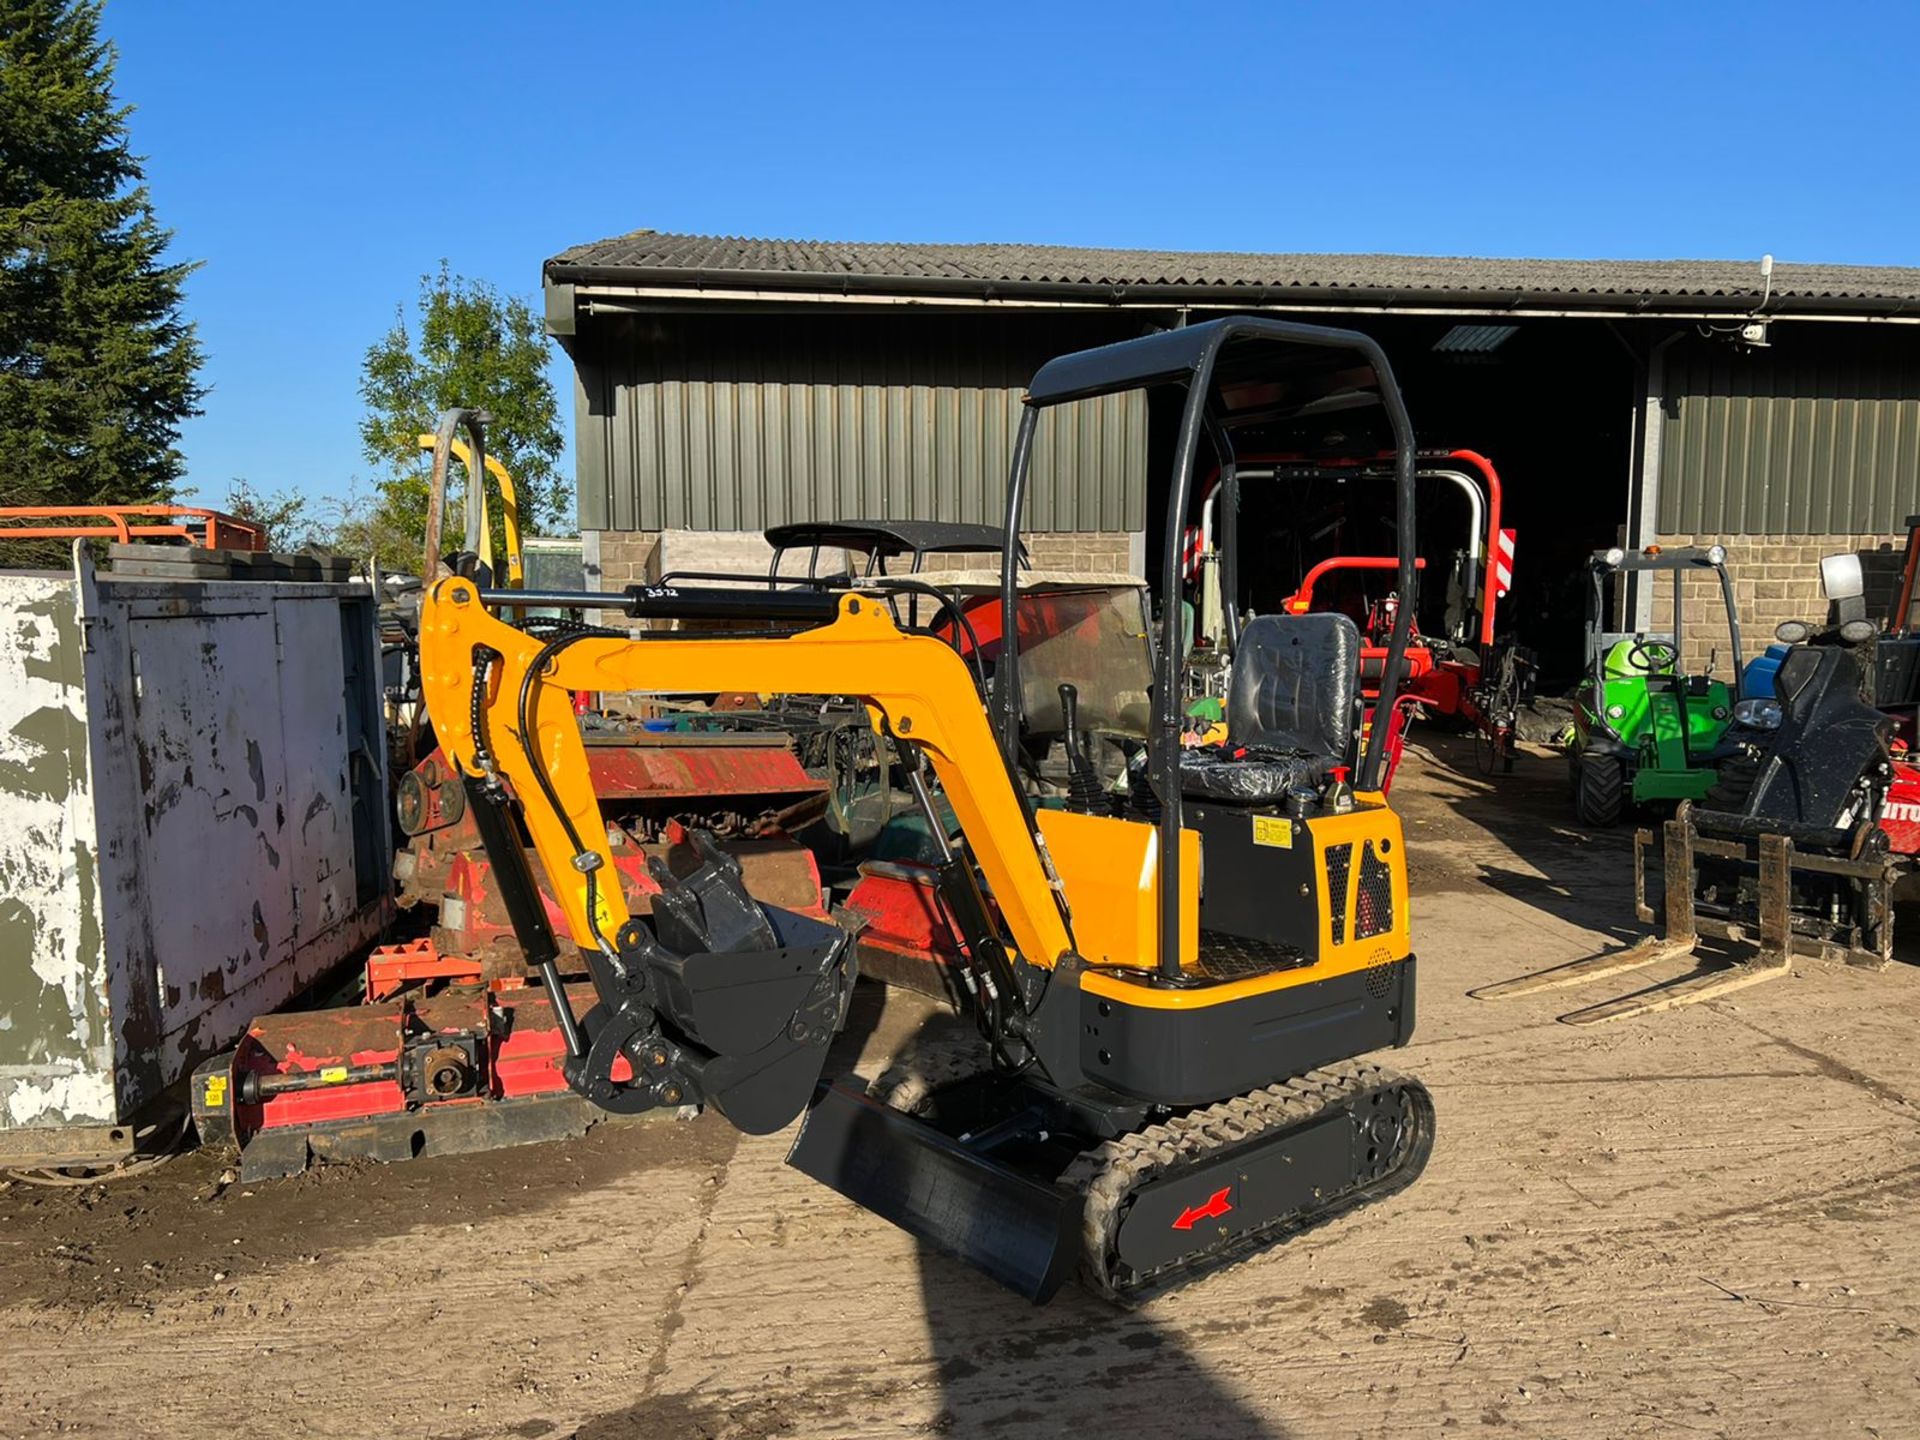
<point>1503,563</point>
<point>1190,553</point>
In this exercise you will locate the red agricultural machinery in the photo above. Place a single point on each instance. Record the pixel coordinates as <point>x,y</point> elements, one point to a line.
<point>454,1046</point>
<point>1455,667</point>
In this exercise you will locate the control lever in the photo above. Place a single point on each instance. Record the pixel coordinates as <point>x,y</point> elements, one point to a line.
<point>1085,794</point>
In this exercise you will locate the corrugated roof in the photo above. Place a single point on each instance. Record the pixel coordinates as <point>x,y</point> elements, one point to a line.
<point>696,261</point>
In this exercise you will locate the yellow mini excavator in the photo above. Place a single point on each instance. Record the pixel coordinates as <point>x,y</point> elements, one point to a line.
<point>1173,972</point>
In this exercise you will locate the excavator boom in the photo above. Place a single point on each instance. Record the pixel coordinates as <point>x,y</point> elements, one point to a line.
<point>917,688</point>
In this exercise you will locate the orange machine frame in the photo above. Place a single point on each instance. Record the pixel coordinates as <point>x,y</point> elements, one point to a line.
<point>915,687</point>
<point>217,530</point>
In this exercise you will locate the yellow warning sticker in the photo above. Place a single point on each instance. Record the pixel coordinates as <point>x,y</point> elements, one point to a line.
<point>216,1090</point>
<point>1273,830</point>
<point>333,1075</point>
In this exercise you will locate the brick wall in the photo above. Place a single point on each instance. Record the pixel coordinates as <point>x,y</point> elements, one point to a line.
<point>1090,551</point>
<point>634,557</point>
<point>626,557</point>
<point>1775,578</point>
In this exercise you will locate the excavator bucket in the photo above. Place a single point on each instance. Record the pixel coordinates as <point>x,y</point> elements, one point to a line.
<point>953,1195</point>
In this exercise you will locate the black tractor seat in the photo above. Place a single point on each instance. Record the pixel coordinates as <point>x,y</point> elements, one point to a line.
<point>1828,739</point>
<point>1290,712</point>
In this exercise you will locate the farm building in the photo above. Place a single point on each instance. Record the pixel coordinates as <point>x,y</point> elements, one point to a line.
<point>724,385</point>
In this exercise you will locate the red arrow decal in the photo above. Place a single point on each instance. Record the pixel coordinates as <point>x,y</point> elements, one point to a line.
<point>1217,1204</point>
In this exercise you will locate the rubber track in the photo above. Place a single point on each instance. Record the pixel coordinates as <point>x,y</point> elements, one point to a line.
<point>1110,1173</point>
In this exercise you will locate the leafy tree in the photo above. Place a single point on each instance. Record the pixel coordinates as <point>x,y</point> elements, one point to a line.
<point>355,524</point>
<point>96,362</point>
<point>361,523</point>
<point>287,515</point>
<point>474,347</point>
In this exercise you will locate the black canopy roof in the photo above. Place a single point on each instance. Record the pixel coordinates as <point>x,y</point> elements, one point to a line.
<point>1266,369</point>
<point>887,538</point>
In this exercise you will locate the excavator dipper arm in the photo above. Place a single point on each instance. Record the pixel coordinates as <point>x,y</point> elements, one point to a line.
<point>718,998</point>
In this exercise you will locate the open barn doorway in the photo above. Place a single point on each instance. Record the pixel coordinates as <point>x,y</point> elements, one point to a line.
<point>1549,402</point>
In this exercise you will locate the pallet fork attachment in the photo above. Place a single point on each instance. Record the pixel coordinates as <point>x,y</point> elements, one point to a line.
<point>1772,856</point>
<point>1804,869</point>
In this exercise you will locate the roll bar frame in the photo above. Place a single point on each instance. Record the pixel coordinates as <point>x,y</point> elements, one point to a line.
<point>1189,357</point>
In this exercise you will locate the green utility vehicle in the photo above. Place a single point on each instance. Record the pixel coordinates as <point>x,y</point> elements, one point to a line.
<point>1644,730</point>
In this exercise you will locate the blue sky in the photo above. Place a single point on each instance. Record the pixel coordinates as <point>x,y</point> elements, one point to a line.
<point>320,159</point>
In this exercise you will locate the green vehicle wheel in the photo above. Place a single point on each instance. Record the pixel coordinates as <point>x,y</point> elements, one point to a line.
<point>1599,789</point>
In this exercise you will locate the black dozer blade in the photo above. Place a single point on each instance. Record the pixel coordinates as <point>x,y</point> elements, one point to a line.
<point>1022,1233</point>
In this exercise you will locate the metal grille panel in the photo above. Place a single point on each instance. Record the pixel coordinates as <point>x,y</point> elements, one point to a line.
<point>1380,974</point>
<point>1374,914</point>
<point>1339,863</point>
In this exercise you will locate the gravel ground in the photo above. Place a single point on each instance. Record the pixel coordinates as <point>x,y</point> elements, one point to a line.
<point>1698,1224</point>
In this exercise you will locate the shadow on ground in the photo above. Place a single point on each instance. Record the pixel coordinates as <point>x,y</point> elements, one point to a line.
<point>1075,1365</point>
<point>1581,876</point>
<point>1004,1369</point>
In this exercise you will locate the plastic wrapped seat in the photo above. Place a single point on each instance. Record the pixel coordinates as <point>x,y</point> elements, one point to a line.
<point>1290,712</point>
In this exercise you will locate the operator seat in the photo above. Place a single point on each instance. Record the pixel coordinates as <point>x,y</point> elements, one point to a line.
<point>1828,738</point>
<point>1291,712</point>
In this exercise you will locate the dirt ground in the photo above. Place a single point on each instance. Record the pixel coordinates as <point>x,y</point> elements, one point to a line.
<point>1696,1224</point>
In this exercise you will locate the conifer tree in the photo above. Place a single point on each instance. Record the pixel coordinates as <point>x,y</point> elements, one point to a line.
<point>97,362</point>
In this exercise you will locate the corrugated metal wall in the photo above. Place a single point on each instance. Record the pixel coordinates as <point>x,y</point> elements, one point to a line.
<point>1818,435</point>
<point>735,422</point>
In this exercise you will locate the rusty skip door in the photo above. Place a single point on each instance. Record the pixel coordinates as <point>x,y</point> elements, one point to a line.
<point>254,770</point>
<point>192,828</point>
<point>213,814</point>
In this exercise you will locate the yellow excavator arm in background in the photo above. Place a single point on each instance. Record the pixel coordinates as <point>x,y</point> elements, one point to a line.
<point>515,573</point>
<point>915,687</point>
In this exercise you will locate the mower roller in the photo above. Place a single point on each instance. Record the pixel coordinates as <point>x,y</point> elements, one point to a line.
<point>1167,1077</point>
